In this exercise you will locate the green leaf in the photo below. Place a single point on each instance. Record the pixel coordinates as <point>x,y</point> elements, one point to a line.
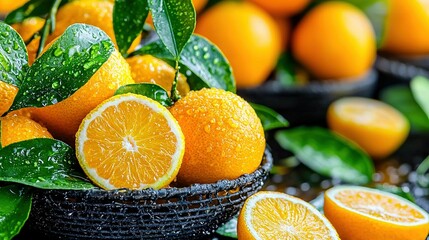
<point>422,173</point>
<point>270,119</point>
<point>319,202</point>
<point>402,192</point>
<point>202,58</point>
<point>33,8</point>
<point>174,22</point>
<point>285,70</point>
<point>401,98</point>
<point>129,17</point>
<point>229,229</point>
<point>327,154</point>
<point>42,163</point>
<point>150,90</point>
<point>420,90</point>
<point>13,55</point>
<point>65,67</point>
<point>15,206</point>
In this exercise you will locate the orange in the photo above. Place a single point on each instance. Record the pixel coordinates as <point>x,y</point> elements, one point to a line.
<point>7,95</point>
<point>27,29</point>
<point>284,30</point>
<point>63,118</point>
<point>19,128</point>
<point>282,7</point>
<point>130,141</point>
<point>199,4</point>
<point>224,136</point>
<point>375,126</point>
<point>335,40</point>
<point>7,6</point>
<point>274,215</point>
<point>360,213</point>
<point>407,27</point>
<point>153,70</point>
<point>93,12</point>
<point>248,37</point>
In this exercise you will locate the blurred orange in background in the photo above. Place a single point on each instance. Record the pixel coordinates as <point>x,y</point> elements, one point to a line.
<point>10,5</point>
<point>335,40</point>
<point>199,4</point>
<point>247,35</point>
<point>407,27</point>
<point>282,7</point>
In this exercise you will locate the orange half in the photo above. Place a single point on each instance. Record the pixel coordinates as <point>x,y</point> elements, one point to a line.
<point>360,213</point>
<point>130,141</point>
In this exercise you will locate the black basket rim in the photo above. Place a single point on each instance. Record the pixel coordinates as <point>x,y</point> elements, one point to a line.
<point>171,192</point>
<point>399,67</point>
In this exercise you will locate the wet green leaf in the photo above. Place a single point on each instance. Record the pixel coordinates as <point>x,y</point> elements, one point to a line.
<point>13,55</point>
<point>150,90</point>
<point>200,57</point>
<point>174,21</point>
<point>15,206</point>
<point>420,90</point>
<point>42,163</point>
<point>270,119</point>
<point>402,192</point>
<point>229,229</point>
<point>327,154</point>
<point>401,98</point>
<point>129,17</point>
<point>65,67</point>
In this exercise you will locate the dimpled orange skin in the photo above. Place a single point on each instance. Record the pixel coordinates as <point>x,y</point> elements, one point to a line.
<point>19,128</point>
<point>407,27</point>
<point>335,40</point>
<point>93,12</point>
<point>247,35</point>
<point>7,95</point>
<point>63,119</point>
<point>9,5</point>
<point>224,136</point>
<point>282,7</point>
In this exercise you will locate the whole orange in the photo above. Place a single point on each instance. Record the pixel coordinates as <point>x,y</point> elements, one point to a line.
<point>93,12</point>
<point>9,5</point>
<point>7,95</point>
<point>248,37</point>
<point>223,135</point>
<point>407,27</point>
<point>282,7</point>
<point>63,118</point>
<point>335,40</point>
<point>199,4</point>
<point>19,128</point>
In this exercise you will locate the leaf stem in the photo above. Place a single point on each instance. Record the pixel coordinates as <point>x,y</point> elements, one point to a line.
<point>175,96</point>
<point>49,26</point>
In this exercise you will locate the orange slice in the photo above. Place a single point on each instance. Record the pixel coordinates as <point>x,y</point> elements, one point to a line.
<point>130,141</point>
<point>273,215</point>
<point>360,213</point>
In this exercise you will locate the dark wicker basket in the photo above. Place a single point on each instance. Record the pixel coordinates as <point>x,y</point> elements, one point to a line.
<point>171,213</point>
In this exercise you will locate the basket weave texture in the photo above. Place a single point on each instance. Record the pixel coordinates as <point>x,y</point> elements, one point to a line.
<point>172,213</point>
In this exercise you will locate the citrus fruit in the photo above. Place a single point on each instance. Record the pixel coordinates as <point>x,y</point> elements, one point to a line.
<point>282,7</point>
<point>10,5</point>
<point>199,4</point>
<point>224,136</point>
<point>7,95</point>
<point>27,29</point>
<point>149,69</point>
<point>93,12</point>
<point>284,30</point>
<point>248,37</point>
<point>63,118</point>
<point>130,141</point>
<point>19,128</point>
<point>360,213</point>
<point>375,126</point>
<point>335,40</point>
<point>274,215</point>
<point>407,27</point>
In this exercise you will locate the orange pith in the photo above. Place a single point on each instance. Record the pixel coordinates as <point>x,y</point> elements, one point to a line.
<point>130,141</point>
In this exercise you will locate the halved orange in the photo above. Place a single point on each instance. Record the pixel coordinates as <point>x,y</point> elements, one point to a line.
<point>360,213</point>
<point>274,215</point>
<point>130,141</point>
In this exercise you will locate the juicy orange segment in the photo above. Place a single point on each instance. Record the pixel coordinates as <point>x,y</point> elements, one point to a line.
<point>273,215</point>
<point>130,141</point>
<point>382,215</point>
